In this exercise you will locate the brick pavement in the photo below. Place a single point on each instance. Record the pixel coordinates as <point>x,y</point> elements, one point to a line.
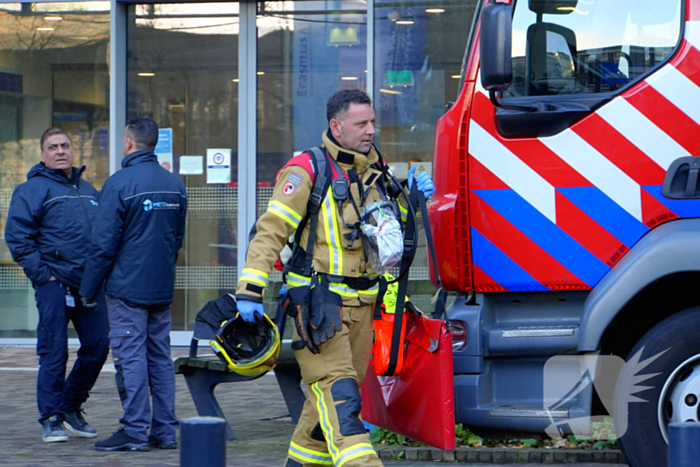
<point>255,410</point>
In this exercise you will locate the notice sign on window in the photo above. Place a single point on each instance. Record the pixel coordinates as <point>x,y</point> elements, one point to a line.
<point>191,165</point>
<point>164,148</point>
<point>218,166</point>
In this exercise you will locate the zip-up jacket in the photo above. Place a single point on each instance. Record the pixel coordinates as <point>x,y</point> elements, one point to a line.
<point>331,252</point>
<point>138,232</point>
<point>49,225</point>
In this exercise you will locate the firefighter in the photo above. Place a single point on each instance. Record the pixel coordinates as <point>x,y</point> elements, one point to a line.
<point>331,287</point>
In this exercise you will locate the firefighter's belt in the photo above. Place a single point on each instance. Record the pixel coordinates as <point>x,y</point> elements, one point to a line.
<point>357,283</point>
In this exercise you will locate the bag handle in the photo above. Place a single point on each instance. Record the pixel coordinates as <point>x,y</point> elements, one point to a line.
<point>406,261</point>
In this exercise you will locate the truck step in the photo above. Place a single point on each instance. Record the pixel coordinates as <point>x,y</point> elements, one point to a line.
<point>529,411</point>
<point>539,331</point>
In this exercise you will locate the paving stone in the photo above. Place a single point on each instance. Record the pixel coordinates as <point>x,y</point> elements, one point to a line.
<point>255,410</point>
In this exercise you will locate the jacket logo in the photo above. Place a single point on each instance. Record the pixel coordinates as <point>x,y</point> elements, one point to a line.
<point>149,205</point>
<point>94,203</point>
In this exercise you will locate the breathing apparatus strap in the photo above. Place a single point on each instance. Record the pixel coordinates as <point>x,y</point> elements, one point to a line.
<point>322,181</point>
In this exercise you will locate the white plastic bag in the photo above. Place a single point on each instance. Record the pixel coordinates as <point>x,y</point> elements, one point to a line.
<point>381,236</point>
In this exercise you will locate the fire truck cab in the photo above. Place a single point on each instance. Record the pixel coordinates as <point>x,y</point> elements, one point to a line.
<point>567,219</point>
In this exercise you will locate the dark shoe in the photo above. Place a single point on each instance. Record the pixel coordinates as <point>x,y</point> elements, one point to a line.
<point>120,441</point>
<point>76,424</point>
<point>161,444</point>
<point>52,430</point>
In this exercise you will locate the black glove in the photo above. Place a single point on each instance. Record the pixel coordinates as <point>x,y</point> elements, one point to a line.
<point>88,302</point>
<point>296,305</point>
<point>326,315</point>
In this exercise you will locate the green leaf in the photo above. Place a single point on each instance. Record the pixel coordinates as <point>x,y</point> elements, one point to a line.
<point>529,442</point>
<point>472,438</point>
<point>600,445</point>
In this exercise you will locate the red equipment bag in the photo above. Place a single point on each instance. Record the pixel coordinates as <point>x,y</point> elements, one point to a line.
<point>418,403</point>
<point>383,338</point>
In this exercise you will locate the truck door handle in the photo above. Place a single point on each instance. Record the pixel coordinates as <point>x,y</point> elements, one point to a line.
<point>681,180</point>
<point>692,184</point>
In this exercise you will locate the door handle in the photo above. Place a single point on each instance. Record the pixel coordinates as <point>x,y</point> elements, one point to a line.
<point>681,180</point>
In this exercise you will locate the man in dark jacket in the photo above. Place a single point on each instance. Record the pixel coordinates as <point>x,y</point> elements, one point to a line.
<point>138,232</point>
<point>48,232</point>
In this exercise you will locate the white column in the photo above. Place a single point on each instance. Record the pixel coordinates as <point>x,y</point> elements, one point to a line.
<point>117,82</point>
<point>247,144</point>
<point>370,49</point>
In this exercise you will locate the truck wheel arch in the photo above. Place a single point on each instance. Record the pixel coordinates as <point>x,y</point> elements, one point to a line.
<point>667,250</point>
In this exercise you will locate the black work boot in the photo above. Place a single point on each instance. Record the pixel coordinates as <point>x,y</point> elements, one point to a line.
<point>161,443</point>
<point>120,441</point>
<point>76,424</point>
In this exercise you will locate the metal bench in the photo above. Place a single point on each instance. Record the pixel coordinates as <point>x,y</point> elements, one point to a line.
<point>203,373</point>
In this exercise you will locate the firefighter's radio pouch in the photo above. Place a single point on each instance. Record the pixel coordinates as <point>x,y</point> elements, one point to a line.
<point>341,189</point>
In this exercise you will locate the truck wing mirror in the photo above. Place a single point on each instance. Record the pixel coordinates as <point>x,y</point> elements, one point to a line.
<point>494,47</point>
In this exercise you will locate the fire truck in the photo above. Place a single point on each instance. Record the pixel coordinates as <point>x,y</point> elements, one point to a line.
<point>567,219</point>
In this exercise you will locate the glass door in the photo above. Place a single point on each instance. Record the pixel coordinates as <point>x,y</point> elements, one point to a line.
<point>182,71</point>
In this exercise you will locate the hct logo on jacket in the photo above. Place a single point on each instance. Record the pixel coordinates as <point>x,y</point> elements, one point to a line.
<point>149,205</point>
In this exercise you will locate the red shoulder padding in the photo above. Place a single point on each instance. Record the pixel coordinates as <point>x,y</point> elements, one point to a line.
<point>304,161</point>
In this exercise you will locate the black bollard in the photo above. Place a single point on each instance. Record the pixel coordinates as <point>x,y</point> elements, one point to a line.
<point>684,444</point>
<point>203,442</point>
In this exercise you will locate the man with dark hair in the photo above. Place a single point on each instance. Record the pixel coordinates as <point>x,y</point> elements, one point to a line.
<point>139,230</point>
<point>48,232</point>
<point>332,339</point>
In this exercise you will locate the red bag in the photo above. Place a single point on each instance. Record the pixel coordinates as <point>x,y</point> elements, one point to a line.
<point>418,403</point>
<point>383,338</point>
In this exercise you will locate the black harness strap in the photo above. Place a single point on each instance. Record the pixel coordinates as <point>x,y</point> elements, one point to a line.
<point>440,308</point>
<point>322,181</point>
<point>406,261</point>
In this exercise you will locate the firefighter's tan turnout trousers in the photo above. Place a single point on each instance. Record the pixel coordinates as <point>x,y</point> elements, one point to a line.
<point>330,431</point>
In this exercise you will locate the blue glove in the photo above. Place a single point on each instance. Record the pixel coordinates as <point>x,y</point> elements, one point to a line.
<point>425,183</point>
<point>283,290</point>
<point>247,310</point>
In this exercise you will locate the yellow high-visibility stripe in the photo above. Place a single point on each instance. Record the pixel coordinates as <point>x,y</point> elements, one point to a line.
<point>353,452</point>
<point>325,422</point>
<point>342,289</point>
<point>298,280</point>
<point>254,275</point>
<point>371,291</point>
<point>286,209</point>
<point>283,216</point>
<point>404,213</point>
<point>256,271</point>
<point>309,456</point>
<point>332,235</point>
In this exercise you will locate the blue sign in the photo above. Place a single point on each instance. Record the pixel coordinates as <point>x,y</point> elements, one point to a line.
<point>165,141</point>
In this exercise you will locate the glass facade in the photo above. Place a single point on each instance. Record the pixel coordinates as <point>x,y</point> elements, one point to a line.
<point>53,72</point>
<point>182,70</point>
<point>418,52</point>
